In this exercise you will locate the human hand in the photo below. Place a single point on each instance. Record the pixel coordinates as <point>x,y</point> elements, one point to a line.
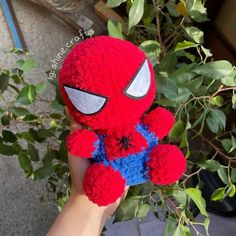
<point>80,216</point>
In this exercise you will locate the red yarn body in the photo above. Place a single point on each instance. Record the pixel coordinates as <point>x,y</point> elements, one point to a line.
<point>115,148</point>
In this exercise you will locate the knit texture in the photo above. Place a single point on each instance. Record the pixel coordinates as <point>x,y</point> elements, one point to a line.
<point>108,84</point>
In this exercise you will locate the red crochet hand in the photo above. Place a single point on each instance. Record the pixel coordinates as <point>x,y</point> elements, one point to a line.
<point>81,143</point>
<point>160,121</point>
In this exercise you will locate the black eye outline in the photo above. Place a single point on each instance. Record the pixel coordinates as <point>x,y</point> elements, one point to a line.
<point>133,79</point>
<point>89,93</point>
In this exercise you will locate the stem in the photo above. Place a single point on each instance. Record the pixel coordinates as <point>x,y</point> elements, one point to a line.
<point>156,4</point>
<point>214,147</point>
<point>14,87</point>
<point>179,213</point>
<point>222,89</point>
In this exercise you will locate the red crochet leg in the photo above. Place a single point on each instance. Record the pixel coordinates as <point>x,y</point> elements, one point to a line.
<point>103,185</point>
<point>166,165</point>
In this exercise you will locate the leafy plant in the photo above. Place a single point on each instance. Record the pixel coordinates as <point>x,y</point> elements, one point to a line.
<point>199,90</point>
<point>25,127</point>
<point>201,93</point>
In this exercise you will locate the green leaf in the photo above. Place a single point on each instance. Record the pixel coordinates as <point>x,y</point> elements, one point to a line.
<point>152,50</point>
<point>135,13</point>
<point>8,136</point>
<point>183,95</point>
<point>19,111</point>
<point>194,84</point>
<point>25,163</point>
<point>45,133</point>
<point>42,172</point>
<point>184,143</point>
<point>211,165</point>
<point>114,3</point>
<point>231,190</point>
<point>185,45</point>
<point>56,105</point>
<point>27,136</point>
<point>9,150</point>
<point>4,80</point>
<point>115,29</point>
<point>218,194</point>
<point>171,7</point>
<point>28,65</point>
<point>41,87</point>
<point>27,95</point>
<point>56,116</point>
<point>233,175</point>
<point>216,120</point>
<point>196,195</point>
<point>5,120</point>
<point>17,75</point>
<point>195,34</point>
<point>196,10</point>
<point>180,197</point>
<point>143,210</point>
<point>206,51</point>
<point>2,112</point>
<point>149,46</point>
<point>234,101</point>
<point>177,131</point>
<point>170,226</point>
<point>227,144</point>
<point>50,155</point>
<point>33,152</point>
<point>179,231</point>
<point>148,15</point>
<point>127,210</point>
<point>183,74</point>
<point>215,69</point>
<point>217,101</point>
<point>206,226</point>
<point>230,80</point>
<point>222,173</point>
<point>168,62</point>
<point>167,87</point>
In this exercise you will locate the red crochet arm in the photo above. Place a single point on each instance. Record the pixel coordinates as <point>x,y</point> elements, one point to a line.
<point>159,121</point>
<point>82,143</point>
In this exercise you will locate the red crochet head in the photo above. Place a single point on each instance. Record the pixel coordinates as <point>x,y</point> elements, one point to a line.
<point>107,83</point>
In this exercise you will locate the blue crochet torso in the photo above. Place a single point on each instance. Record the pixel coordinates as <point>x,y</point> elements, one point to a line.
<point>133,167</point>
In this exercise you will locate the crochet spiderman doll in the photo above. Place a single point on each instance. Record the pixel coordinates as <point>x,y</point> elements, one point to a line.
<point>108,84</point>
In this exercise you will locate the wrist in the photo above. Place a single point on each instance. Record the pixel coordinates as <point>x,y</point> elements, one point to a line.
<point>91,211</point>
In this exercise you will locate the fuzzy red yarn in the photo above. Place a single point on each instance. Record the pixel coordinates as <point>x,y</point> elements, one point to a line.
<point>166,165</point>
<point>81,143</point>
<point>116,149</point>
<point>105,66</point>
<point>160,121</point>
<point>103,185</point>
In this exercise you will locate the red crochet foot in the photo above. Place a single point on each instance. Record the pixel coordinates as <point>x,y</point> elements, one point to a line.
<point>166,165</point>
<point>103,185</point>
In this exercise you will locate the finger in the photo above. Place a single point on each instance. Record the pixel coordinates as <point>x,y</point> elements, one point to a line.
<point>73,124</point>
<point>78,167</point>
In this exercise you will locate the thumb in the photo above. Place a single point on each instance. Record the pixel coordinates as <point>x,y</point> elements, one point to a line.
<point>73,124</point>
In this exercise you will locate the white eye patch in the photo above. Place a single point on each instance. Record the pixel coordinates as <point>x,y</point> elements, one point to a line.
<point>85,102</point>
<point>140,85</point>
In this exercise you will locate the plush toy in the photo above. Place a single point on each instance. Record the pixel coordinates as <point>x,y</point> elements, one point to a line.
<point>108,84</point>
